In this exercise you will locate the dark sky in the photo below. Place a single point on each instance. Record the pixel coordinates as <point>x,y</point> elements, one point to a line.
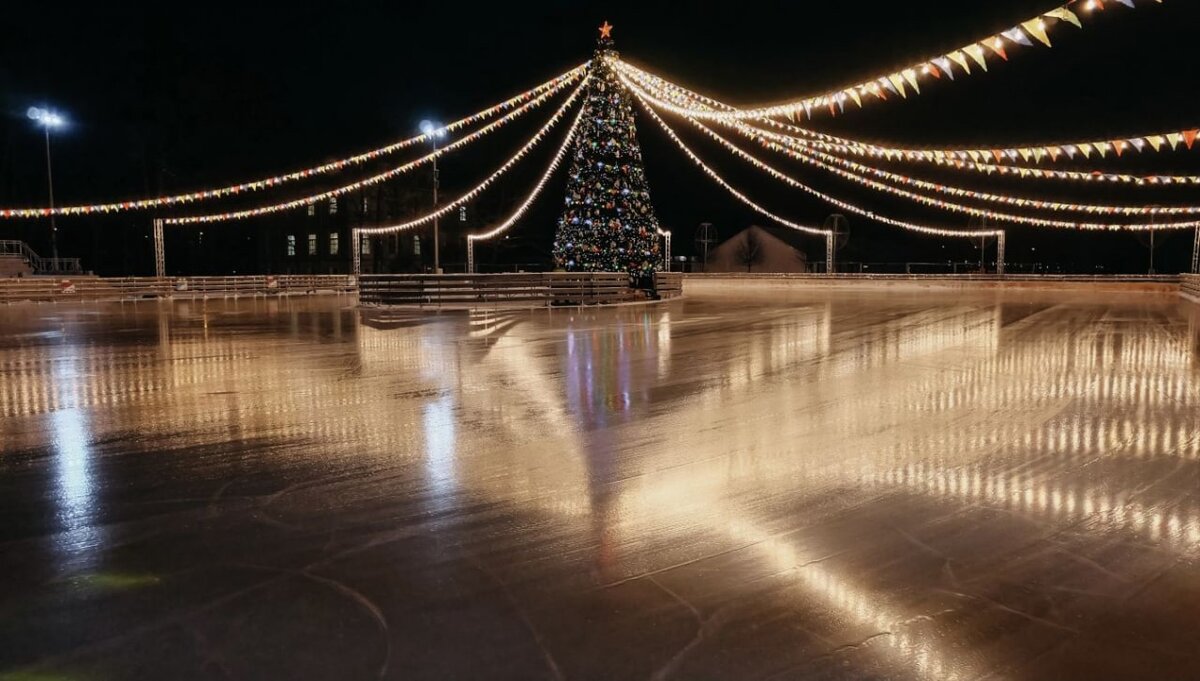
<point>180,97</point>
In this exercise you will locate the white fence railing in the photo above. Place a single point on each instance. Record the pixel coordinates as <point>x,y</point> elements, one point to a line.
<point>1189,286</point>
<point>534,289</point>
<point>124,288</point>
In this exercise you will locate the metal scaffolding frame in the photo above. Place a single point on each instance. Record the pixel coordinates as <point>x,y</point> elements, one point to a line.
<point>160,250</point>
<point>356,252</point>
<point>1000,252</point>
<point>1196,253</point>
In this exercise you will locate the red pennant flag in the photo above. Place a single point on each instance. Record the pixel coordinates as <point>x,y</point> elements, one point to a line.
<point>999,156</point>
<point>1189,137</point>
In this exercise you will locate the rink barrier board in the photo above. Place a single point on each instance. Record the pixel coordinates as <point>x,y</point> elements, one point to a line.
<point>733,282</point>
<point>44,289</point>
<point>1189,287</point>
<point>521,289</point>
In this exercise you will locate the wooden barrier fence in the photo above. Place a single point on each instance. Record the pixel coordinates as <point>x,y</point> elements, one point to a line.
<point>126,288</point>
<point>1189,286</point>
<point>541,289</point>
<point>668,284</point>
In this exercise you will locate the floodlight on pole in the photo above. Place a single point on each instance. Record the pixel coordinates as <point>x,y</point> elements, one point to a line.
<point>49,120</point>
<point>434,131</point>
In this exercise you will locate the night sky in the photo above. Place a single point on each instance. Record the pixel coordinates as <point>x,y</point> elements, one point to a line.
<point>165,98</point>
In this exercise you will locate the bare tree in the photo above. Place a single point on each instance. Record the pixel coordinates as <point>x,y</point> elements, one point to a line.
<point>749,250</point>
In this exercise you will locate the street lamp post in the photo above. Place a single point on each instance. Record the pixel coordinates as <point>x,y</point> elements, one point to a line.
<point>435,131</point>
<point>48,119</point>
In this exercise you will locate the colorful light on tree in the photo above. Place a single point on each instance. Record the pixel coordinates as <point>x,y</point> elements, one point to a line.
<point>608,223</point>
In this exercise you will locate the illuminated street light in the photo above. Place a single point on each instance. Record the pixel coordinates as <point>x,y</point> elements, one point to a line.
<point>49,120</point>
<point>434,131</point>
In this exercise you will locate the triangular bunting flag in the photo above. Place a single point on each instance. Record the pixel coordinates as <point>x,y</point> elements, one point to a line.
<point>960,59</point>
<point>1037,29</point>
<point>943,63</point>
<point>997,45</point>
<point>1018,36</point>
<point>1064,14</point>
<point>976,52</point>
<point>1189,137</point>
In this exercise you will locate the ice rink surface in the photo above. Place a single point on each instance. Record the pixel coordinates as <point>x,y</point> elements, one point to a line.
<point>824,485</point>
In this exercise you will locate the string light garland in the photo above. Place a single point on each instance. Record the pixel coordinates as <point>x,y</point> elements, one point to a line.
<point>923,229</point>
<point>899,83</point>
<point>792,147</point>
<point>1170,141</point>
<point>550,87</point>
<point>919,198</point>
<point>376,179</point>
<point>479,188</point>
<point>1020,202</point>
<point>537,188</point>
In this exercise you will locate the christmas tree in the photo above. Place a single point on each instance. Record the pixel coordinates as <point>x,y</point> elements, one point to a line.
<point>608,224</point>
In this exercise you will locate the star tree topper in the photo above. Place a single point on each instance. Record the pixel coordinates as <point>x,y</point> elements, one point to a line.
<point>606,31</point>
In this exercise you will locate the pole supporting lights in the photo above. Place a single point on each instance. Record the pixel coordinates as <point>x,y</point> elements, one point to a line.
<point>49,120</point>
<point>435,131</point>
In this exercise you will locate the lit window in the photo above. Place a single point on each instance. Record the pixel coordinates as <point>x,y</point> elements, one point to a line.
<point>333,243</point>
<point>366,245</point>
<point>312,244</point>
<point>312,209</point>
<point>416,244</point>
<point>291,244</point>
<point>333,205</point>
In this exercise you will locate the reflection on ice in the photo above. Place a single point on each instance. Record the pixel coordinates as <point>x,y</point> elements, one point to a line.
<point>642,439</point>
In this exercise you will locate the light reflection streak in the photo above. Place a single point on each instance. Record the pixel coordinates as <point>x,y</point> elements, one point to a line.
<point>809,399</point>
<point>439,428</point>
<point>75,491</point>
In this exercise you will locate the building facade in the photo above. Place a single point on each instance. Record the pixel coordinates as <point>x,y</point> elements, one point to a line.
<point>316,239</point>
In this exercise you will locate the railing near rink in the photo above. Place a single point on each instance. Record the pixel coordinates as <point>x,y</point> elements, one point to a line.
<point>532,289</point>
<point>1189,286</point>
<point>1107,283</point>
<point>65,289</point>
